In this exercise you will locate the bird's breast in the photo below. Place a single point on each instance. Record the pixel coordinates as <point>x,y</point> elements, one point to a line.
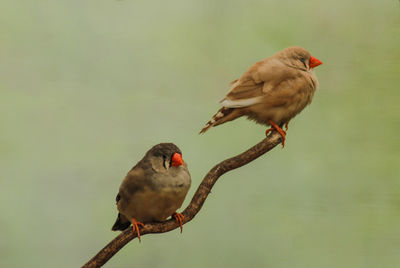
<point>283,105</point>
<point>156,205</point>
<point>160,200</point>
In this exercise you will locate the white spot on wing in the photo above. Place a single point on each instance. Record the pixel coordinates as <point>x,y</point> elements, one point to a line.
<point>219,114</point>
<point>240,103</point>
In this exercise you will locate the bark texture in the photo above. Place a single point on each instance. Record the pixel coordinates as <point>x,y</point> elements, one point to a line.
<point>195,205</point>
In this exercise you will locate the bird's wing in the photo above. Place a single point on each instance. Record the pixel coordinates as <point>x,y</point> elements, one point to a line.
<point>254,84</point>
<point>134,181</point>
<point>242,94</point>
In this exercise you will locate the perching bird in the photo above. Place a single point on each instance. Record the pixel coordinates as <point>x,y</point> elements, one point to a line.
<point>272,91</point>
<point>153,189</point>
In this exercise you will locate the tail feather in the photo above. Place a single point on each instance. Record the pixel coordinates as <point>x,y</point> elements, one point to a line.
<point>121,223</point>
<point>217,119</point>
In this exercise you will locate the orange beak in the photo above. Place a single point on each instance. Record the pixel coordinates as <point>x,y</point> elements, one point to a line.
<point>177,160</point>
<point>314,62</point>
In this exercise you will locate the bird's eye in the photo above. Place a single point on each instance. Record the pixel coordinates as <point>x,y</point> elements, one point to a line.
<point>303,60</point>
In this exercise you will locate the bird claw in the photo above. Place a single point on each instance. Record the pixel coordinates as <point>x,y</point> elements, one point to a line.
<point>268,131</point>
<point>179,218</point>
<point>135,227</point>
<point>277,128</point>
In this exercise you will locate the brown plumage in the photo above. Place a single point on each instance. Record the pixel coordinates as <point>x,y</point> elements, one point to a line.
<point>272,91</point>
<point>153,189</point>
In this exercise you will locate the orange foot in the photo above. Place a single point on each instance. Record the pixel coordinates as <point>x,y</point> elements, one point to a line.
<point>277,128</point>
<point>135,227</point>
<point>179,218</point>
<point>286,126</point>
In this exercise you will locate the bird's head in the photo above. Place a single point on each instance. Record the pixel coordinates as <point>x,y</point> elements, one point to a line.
<point>298,57</point>
<point>166,154</point>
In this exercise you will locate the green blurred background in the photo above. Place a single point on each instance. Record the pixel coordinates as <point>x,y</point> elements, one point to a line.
<point>87,87</point>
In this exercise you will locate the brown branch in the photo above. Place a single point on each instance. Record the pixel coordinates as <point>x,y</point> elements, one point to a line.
<point>195,205</point>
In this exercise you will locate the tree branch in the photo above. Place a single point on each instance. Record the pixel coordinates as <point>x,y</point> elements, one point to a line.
<point>195,205</point>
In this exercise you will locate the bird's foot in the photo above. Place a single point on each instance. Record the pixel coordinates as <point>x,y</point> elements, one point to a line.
<point>179,218</point>
<point>268,131</point>
<point>135,227</point>
<point>286,126</point>
<point>277,128</point>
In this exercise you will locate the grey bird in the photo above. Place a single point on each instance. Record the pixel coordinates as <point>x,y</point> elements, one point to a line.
<point>272,91</point>
<point>153,189</point>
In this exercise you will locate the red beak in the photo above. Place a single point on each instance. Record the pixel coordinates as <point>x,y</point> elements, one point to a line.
<point>177,160</point>
<point>314,62</point>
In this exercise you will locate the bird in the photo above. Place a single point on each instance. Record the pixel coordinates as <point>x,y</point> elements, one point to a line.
<point>272,91</point>
<point>153,189</point>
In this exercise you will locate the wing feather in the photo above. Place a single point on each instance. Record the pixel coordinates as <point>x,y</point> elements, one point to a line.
<point>258,82</point>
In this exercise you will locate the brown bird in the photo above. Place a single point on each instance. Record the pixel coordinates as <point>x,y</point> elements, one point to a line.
<point>153,189</point>
<point>272,91</point>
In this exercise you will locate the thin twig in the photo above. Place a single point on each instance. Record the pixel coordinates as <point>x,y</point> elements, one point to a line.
<point>195,205</point>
